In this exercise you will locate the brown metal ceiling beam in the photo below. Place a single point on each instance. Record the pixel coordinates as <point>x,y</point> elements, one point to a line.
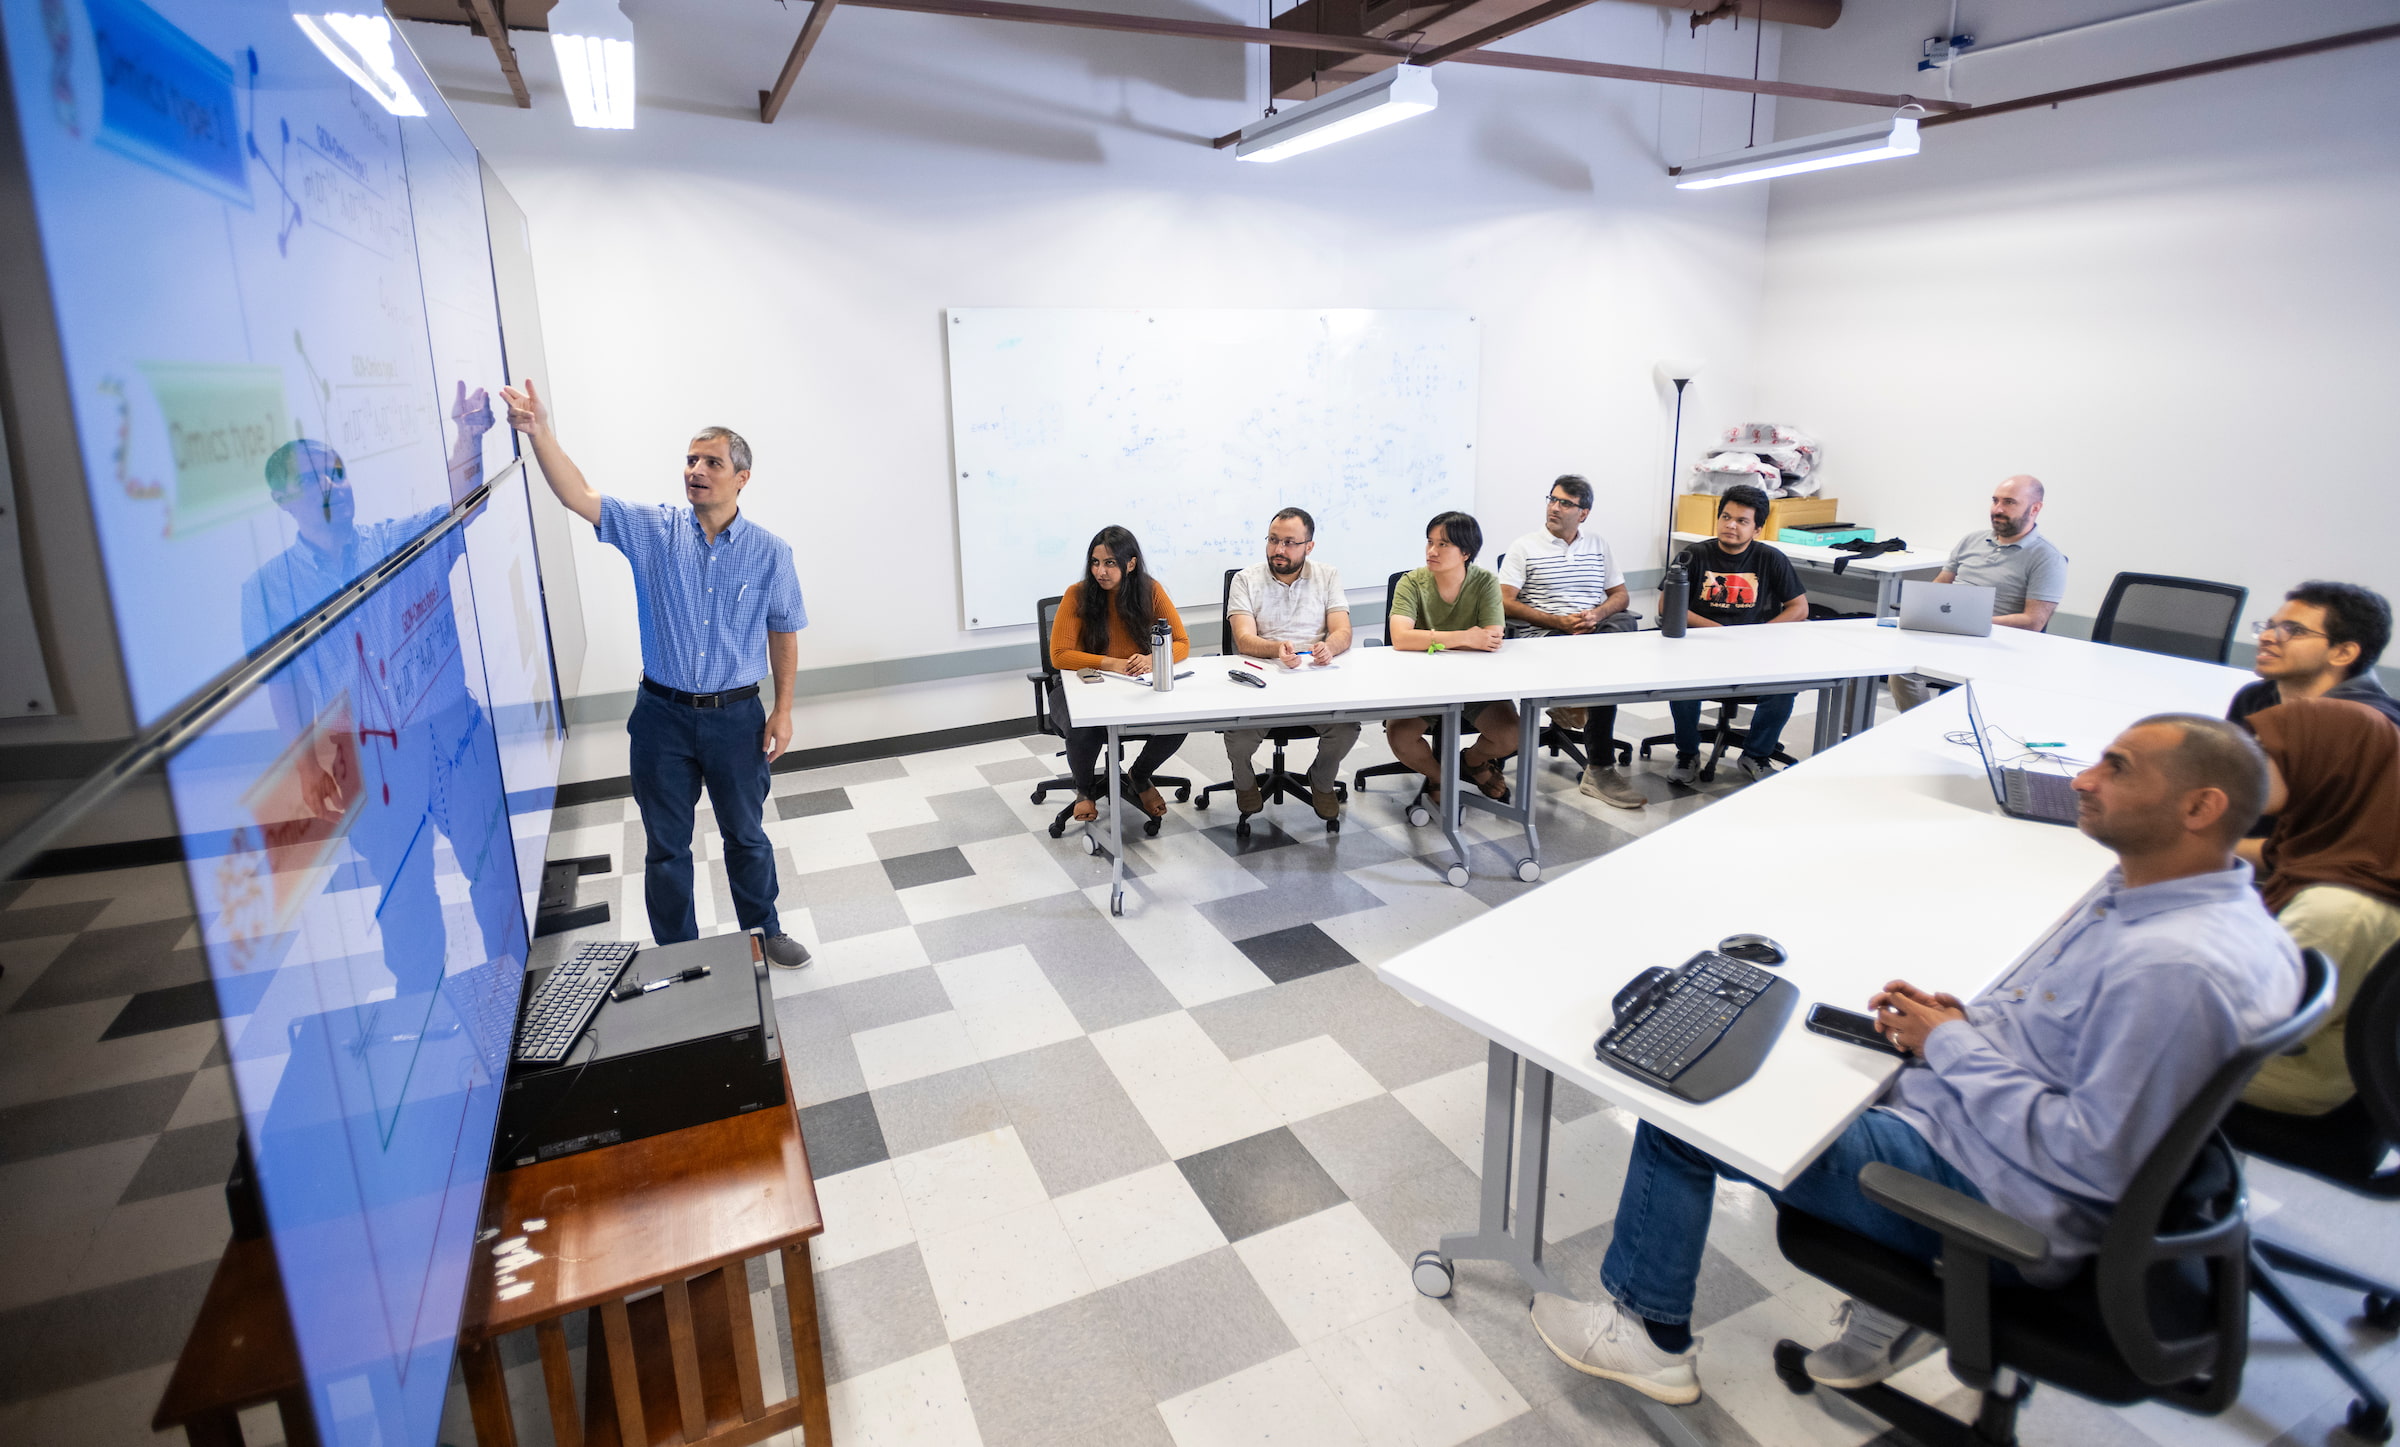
<point>487,19</point>
<point>1603,70</point>
<point>2182,72</point>
<point>1141,24</point>
<point>770,102</point>
<point>1550,10</point>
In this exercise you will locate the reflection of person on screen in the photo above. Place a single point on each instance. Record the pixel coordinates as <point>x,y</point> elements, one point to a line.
<point>392,676</point>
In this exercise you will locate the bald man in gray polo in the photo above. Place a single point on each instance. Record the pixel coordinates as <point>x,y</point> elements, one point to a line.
<point>2024,569</point>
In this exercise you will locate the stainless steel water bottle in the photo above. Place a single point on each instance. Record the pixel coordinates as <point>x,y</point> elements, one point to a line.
<point>1674,598</point>
<point>1162,657</point>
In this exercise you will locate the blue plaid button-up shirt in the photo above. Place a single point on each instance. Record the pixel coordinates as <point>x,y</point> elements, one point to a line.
<point>706,609</point>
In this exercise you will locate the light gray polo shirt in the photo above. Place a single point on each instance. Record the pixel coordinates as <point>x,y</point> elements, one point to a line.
<point>2032,567</point>
<point>1293,612</point>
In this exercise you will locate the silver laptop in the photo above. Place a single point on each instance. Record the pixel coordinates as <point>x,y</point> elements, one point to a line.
<point>1947,608</point>
<point>2021,793</point>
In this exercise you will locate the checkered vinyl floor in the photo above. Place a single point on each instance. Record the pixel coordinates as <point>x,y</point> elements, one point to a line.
<point>1086,1180</point>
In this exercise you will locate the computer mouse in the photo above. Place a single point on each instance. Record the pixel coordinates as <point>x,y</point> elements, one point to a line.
<point>1752,949</point>
<point>1635,987</point>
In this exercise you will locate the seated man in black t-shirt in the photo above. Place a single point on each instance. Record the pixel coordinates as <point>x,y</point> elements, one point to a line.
<point>1738,580</point>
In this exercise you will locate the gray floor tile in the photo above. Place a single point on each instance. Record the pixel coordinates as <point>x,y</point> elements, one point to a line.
<point>1569,1101</point>
<point>856,899</point>
<point>876,1311</point>
<point>1051,1375</point>
<point>1598,1411</point>
<point>197,1155</point>
<point>1075,1121</point>
<point>1299,897</point>
<point>1372,1145</point>
<point>842,1135</point>
<point>1142,1429</point>
<point>127,960</point>
<point>975,814</point>
<point>1527,1429</point>
<point>816,1049</point>
<point>1260,1020</point>
<point>1099,976</point>
<point>1265,834</point>
<point>1290,954</point>
<point>843,776</point>
<point>886,999</point>
<point>1014,771</point>
<point>1188,1324</point>
<point>927,1112</point>
<point>49,919</point>
<point>179,1005</point>
<point>597,814</point>
<point>930,867</point>
<point>1260,1183</point>
<point>810,804</point>
<point>71,1122</point>
<point>1414,1214</point>
<point>634,848</point>
<point>1723,1288</point>
<point>70,1341</point>
<point>1322,853</point>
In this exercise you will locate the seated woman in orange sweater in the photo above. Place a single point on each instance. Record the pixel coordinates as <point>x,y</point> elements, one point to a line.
<point>1104,622</point>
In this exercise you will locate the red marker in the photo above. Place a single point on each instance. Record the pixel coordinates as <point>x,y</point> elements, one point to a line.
<point>1253,665</point>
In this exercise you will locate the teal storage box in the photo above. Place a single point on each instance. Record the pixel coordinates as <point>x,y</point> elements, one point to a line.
<point>1825,535</point>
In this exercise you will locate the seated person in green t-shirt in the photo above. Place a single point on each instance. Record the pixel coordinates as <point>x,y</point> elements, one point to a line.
<point>1447,604</point>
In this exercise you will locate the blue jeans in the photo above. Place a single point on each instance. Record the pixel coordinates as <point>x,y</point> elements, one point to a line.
<point>676,749</point>
<point>1662,1214</point>
<point>1767,717</point>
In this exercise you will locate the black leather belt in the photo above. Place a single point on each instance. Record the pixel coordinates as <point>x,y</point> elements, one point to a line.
<point>699,700</point>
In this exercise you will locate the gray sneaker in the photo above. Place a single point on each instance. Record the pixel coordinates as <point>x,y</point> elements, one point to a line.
<point>784,952</point>
<point>1602,1339</point>
<point>1874,1345</point>
<point>1754,769</point>
<point>1686,772</point>
<point>1610,786</point>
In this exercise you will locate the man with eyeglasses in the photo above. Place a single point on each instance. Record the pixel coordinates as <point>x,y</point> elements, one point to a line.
<point>1292,611</point>
<point>2024,569</point>
<point>1560,581</point>
<point>2322,643</point>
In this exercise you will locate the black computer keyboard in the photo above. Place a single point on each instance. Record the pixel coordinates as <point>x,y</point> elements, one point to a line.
<point>1700,1029</point>
<point>2047,796</point>
<point>558,1011</point>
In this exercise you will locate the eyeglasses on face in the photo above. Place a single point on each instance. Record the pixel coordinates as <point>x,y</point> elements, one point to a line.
<point>1566,502</point>
<point>2285,629</point>
<point>1276,542</point>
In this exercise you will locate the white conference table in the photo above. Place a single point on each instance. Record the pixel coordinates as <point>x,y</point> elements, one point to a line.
<point>1936,885</point>
<point>1887,569</point>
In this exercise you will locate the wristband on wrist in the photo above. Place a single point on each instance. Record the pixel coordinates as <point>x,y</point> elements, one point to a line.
<point>1435,646</point>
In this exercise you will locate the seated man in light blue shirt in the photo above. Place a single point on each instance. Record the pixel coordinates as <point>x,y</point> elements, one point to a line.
<point>2041,1098</point>
<point>719,607</point>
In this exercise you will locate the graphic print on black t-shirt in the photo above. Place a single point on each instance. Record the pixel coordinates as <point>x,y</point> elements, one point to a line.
<point>1732,589</point>
<point>1729,590</point>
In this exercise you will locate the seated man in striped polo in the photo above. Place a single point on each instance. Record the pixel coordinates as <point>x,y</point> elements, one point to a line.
<point>1560,579</point>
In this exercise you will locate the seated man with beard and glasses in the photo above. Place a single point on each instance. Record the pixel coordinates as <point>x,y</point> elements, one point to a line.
<point>1291,610</point>
<point>2015,559</point>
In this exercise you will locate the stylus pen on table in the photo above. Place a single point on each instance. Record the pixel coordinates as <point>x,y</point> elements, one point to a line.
<point>629,989</point>
<point>1144,679</point>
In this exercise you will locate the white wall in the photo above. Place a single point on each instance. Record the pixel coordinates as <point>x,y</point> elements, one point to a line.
<point>2176,305</point>
<point>789,281</point>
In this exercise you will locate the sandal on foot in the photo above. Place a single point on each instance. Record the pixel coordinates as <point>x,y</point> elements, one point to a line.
<point>1086,811</point>
<point>1488,776</point>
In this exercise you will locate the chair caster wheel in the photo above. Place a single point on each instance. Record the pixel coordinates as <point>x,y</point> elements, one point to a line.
<point>1150,829</point>
<point>1058,831</point>
<point>1645,751</point>
<point>1241,827</point>
<point>1202,801</point>
<point>1456,875</point>
<point>1341,791</point>
<point>1040,795</point>
<point>1333,826</point>
<point>2383,1313</point>
<point>2369,1422</point>
<point>1116,904</point>
<point>1791,1368</point>
<point>1709,774</point>
<point>1419,816</point>
<point>1431,1275</point>
<point>1091,844</point>
<point>1183,795</point>
<point>1529,871</point>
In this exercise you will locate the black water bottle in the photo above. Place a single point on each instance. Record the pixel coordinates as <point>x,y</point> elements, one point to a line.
<point>1674,599</point>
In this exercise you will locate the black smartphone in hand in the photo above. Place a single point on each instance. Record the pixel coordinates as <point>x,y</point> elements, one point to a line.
<point>1852,1028</point>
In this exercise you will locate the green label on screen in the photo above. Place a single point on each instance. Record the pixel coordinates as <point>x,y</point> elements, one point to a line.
<point>223,422</point>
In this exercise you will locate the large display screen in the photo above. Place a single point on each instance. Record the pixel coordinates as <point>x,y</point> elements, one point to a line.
<point>351,856</point>
<point>274,296</point>
<point>510,645</point>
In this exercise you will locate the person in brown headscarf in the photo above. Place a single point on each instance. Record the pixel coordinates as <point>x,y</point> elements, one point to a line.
<point>2330,871</point>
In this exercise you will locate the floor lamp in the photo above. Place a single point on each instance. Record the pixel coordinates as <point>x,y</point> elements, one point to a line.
<point>1680,374</point>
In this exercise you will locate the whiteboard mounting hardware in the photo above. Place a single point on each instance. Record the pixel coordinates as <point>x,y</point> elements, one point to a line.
<point>1879,142</point>
<point>1361,106</point>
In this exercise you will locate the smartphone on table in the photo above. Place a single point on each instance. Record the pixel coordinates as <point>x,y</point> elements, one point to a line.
<point>1852,1028</point>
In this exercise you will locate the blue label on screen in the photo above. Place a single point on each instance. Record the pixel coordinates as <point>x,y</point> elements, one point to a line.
<point>165,100</point>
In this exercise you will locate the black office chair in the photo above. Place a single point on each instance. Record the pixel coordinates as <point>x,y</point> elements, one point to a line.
<point>1418,815</point>
<point>2159,1314</point>
<point>2345,1146</point>
<point>1046,613</point>
<point>2182,617</point>
<point>1724,734</point>
<point>1279,782</point>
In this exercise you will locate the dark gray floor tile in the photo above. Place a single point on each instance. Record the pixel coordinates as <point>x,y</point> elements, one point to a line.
<point>809,805</point>
<point>1290,954</point>
<point>1372,1145</point>
<point>595,814</point>
<point>876,1311</point>
<point>124,961</point>
<point>71,1122</point>
<point>816,1049</point>
<point>1075,1121</point>
<point>842,1135</point>
<point>1014,771</point>
<point>856,899</point>
<point>1203,1318</point>
<point>1322,853</point>
<point>1260,1183</point>
<point>1298,898</point>
<point>936,1109</point>
<point>179,1005</point>
<point>931,867</point>
<point>49,919</point>
<point>1597,1411</point>
<point>70,1341</point>
<point>1265,834</point>
<point>887,999</point>
<point>183,1160</point>
<point>1051,1375</point>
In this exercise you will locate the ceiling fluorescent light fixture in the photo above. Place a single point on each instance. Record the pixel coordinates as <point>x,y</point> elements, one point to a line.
<point>594,44</point>
<point>1879,142</point>
<point>360,46</point>
<point>1359,107</point>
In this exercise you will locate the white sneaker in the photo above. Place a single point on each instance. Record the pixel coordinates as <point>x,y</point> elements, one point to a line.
<point>1874,1345</point>
<point>1610,786</point>
<point>1602,1339</point>
<point>1686,772</point>
<point>1754,769</point>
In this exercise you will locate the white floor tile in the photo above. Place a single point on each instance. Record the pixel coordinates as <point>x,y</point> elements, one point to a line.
<point>1413,1376</point>
<point>1451,1106</point>
<point>1008,870</point>
<point>888,804</point>
<point>912,1049</point>
<point>1327,1271</point>
<point>961,1182</point>
<point>815,846</point>
<point>1281,1402</point>
<point>919,1401</point>
<point>1190,956</point>
<point>1136,1224</point>
<point>1186,1090</point>
<point>864,1213</point>
<point>1308,1077</point>
<point>860,957</point>
<point>1006,1003</point>
<point>997,1270</point>
<point>1587,1172</point>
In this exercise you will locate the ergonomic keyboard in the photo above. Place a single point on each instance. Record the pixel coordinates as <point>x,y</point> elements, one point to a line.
<point>569,996</point>
<point>1700,1029</point>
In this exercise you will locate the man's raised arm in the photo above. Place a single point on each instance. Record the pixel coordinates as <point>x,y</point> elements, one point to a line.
<point>528,415</point>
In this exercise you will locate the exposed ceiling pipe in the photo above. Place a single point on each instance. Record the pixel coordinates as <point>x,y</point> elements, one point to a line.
<point>2160,77</point>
